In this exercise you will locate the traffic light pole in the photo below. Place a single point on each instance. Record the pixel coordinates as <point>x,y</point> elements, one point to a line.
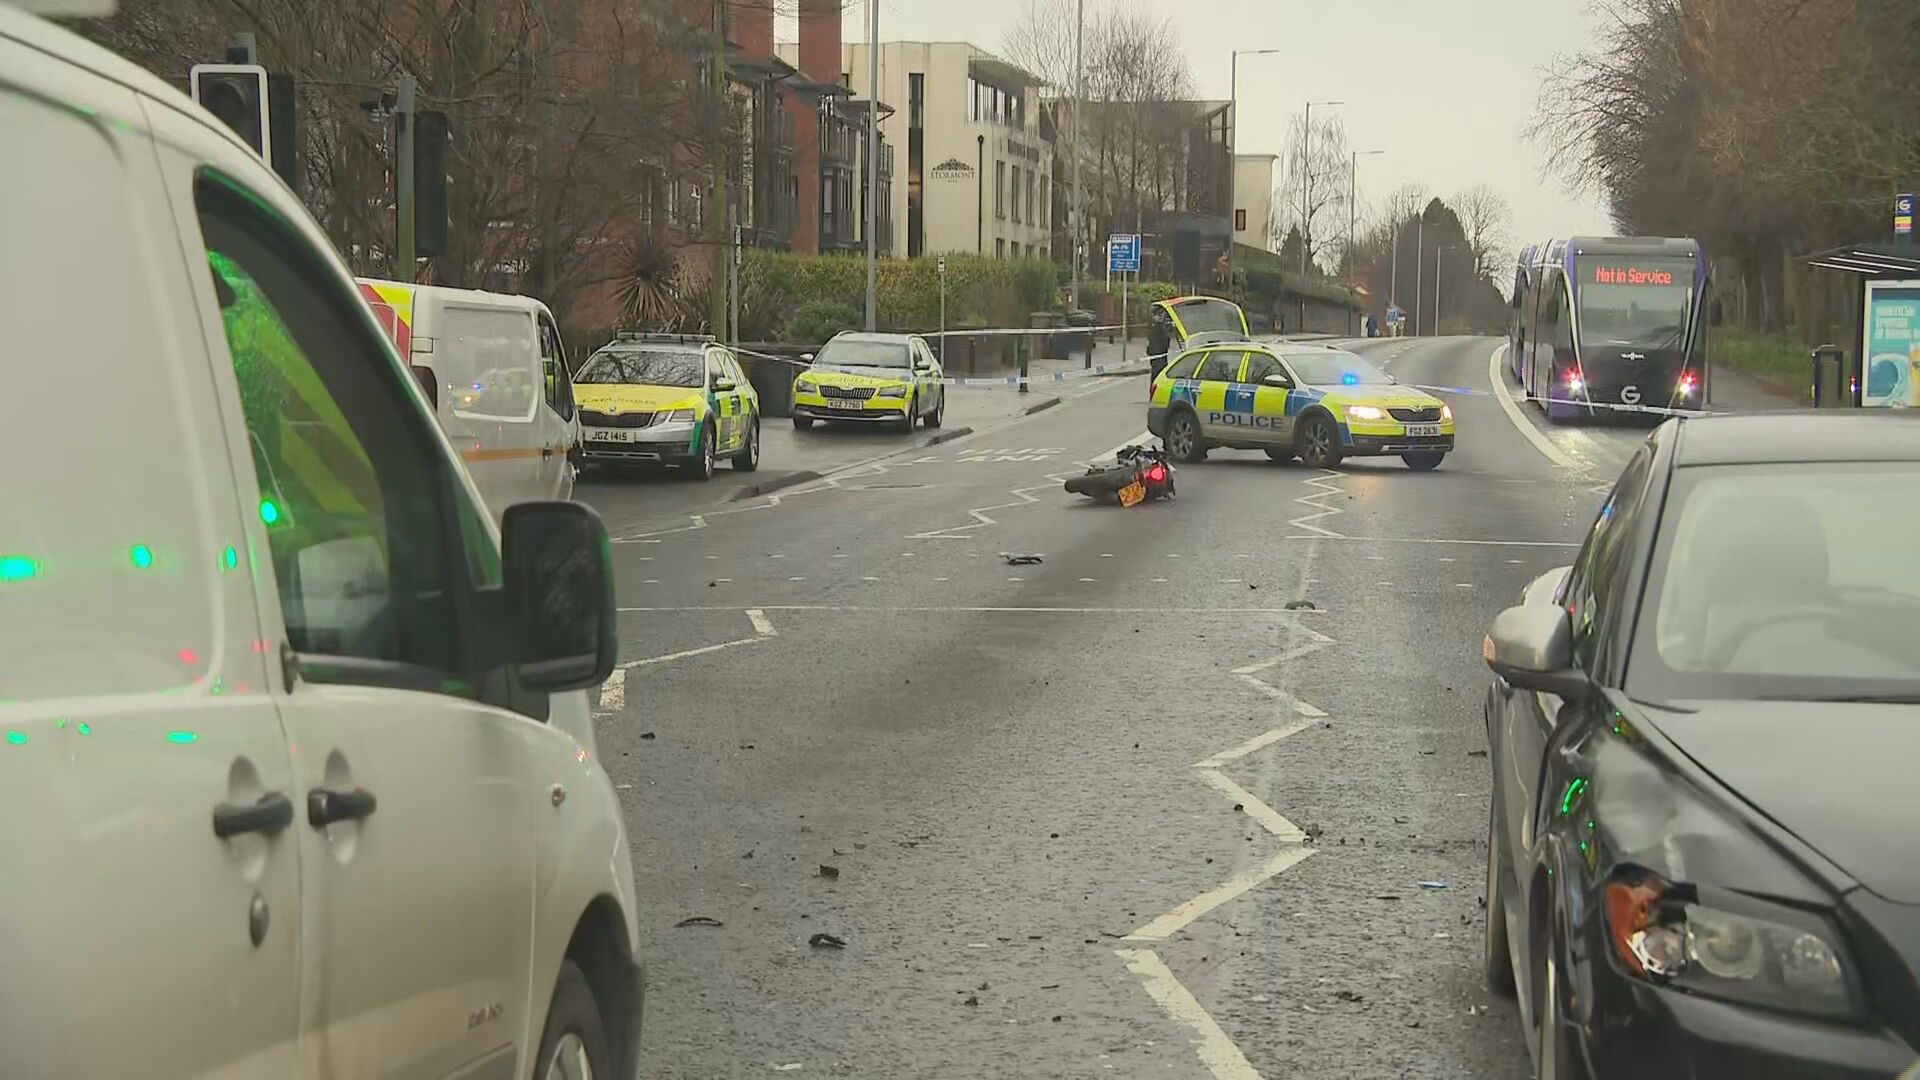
<point>403,110</point>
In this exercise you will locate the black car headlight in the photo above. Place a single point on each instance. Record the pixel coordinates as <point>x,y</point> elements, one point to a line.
<point>1728,945</point>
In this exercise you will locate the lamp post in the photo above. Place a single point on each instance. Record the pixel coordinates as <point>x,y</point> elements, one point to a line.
<point>873,148</point>
<point>1233,145</point>
<point>1353,189</point>
<point>1076,210</point>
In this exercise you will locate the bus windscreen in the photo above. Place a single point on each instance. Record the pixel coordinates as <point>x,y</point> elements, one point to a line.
<point>1635,303</point>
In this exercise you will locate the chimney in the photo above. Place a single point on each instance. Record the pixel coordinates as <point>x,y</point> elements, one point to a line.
<point>820,40</point>
<point>750,25</point>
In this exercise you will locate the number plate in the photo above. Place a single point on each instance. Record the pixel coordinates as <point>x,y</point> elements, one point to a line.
<point>1133,494</point>
<point>601,434</point>
<point>1423,429</point>
<point>845,403</point>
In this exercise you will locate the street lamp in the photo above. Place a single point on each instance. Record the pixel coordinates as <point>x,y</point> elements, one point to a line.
<point>1353,191</point>
<point>1233,162</point>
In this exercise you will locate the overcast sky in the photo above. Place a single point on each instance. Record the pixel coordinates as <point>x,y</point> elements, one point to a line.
<point>1443,86</point>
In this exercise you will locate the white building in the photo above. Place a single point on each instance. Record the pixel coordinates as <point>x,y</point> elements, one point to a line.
<point>971,171</point>
<point>1253,199</point>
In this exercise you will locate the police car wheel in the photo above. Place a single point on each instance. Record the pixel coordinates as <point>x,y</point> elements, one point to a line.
<point>1318,444</point>
<point>1423,460</point>
<point>939,412</point>
<point>905,423</point>
<point>1183,437</point>
<point>1280,453</point>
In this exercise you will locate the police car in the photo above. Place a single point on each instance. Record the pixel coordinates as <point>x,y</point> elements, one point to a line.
<point>1320,404</point>
<point>651,399</point>
<point>890,378</point>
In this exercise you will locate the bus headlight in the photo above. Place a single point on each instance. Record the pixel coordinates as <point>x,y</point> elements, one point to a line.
<point>1686,386</point>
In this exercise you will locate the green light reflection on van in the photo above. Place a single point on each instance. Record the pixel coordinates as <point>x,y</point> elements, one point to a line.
<point>182,737</point>
<point>18,568</point>
<point>17,738</point>
<point>269,511</point>
<point>141,556</point>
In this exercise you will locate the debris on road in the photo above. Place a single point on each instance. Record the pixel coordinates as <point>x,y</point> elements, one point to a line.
<point>1349,995</point>
<point>1386,896</point>
<point>746,746</point>
<point>1301,605</point>
<point>646,734</point>
<point>1433,884</point>
<point>1012,559</point>
<point>831,873</point>
<point>826,941</point>
<point>1239,806</point>
<point>698,920</point>
<point>1476,753</point>
<point>791,1066</point>
<point>1313,830</point>
<point>971,1000</point>
<point>1441,935</point>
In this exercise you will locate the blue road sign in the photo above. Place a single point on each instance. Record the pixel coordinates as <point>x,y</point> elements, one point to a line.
<point>1123,253</point>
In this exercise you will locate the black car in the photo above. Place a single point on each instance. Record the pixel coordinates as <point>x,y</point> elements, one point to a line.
<point>1703,737</point>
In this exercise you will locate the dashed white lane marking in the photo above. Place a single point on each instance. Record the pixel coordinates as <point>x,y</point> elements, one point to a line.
<point>943,579</point>
<point>1445,558</point>
<point>1463,585</point>
<point>1540,442</point>
<point>1106,555</point>
<point>651,581</point>
<point>723,581</point>
<point>1437,540</point>
<point>869,579</point>
<point>1159,581</point>
<point>1085,579</point>
<point>776,556</point>
<point>1222,1058</point>
<point>1016,579</point>
<point>796,579</point>
<point>613,692</point>
<point>713,558</point>
<point>1175,555</point>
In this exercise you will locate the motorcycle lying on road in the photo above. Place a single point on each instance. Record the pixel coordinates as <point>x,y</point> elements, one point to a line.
<point>1139,474</point>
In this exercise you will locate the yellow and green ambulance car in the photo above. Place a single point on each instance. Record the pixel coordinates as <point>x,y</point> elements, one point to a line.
<point>667,399</point>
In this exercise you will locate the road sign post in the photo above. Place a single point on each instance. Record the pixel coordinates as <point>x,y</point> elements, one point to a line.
<point>1123,258</point>
<point>943,311</point>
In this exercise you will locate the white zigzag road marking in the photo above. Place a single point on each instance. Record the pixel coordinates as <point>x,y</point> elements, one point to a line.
<point>981,519</point>
<point>1216,1050</point>
<point>1327,490</point>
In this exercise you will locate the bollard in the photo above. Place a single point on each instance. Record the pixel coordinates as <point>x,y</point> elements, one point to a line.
<point>1841,396</point>
<point>1020,354</point>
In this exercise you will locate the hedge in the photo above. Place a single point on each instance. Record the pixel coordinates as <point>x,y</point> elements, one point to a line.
<point>980,291</point>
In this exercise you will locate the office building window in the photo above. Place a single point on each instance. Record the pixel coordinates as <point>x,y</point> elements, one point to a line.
<point>1000,190</point>
<point>1046,201</point>
<point>1033,208</point>
<point>999,247</point>
<point>916,98</point>
<point>1016,194</point>
<point>1016,249</point>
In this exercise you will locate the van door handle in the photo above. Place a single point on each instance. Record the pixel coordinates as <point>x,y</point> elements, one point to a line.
<point>546,451</point>
<point>326,806</point>
<point>268,814</point>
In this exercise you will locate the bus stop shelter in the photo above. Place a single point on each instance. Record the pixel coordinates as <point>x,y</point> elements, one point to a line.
<point>1883,368</point>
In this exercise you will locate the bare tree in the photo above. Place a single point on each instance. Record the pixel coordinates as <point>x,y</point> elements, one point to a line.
<point>1041,41</point>
<point>1485,218</point>
<point>1313,195</point>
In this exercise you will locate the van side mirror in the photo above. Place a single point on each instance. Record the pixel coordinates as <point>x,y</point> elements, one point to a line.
<point>807,356</point>
<point>1531,647</point>
<point>558,569</point>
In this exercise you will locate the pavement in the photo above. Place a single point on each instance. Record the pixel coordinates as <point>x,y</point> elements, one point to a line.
<point>1128,810</point>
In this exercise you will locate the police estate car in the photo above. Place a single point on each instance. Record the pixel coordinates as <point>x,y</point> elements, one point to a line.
<point>1289,399</point>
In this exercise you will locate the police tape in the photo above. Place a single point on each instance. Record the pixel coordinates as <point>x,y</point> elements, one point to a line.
<point>1132,367</point>
<point>1610,406</point>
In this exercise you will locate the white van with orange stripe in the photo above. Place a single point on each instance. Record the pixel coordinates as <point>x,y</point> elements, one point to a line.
<point>495,370</point>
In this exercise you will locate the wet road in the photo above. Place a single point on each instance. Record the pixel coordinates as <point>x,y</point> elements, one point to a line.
<point>1118,813</point>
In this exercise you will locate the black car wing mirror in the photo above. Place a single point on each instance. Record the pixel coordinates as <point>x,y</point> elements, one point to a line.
<point>558,569</point>
<point>1531,647</point>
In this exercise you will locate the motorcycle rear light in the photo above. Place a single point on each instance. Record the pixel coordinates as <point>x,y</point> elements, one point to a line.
<point>1157,473</point>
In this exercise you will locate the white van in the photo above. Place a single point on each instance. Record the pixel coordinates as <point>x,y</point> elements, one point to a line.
<point>495,371</point>
<point>297,770</point>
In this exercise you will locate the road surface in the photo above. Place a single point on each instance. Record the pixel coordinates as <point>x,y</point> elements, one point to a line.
<point>1123,812</point>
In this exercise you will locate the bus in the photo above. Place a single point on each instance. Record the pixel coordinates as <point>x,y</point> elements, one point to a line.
<point>1604,321</point>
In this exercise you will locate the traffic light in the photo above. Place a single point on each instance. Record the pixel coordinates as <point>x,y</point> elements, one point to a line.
<point>430,183</point>
<point>237,95</point>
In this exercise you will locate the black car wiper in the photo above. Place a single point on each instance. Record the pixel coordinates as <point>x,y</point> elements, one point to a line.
<point>1907,698</point>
